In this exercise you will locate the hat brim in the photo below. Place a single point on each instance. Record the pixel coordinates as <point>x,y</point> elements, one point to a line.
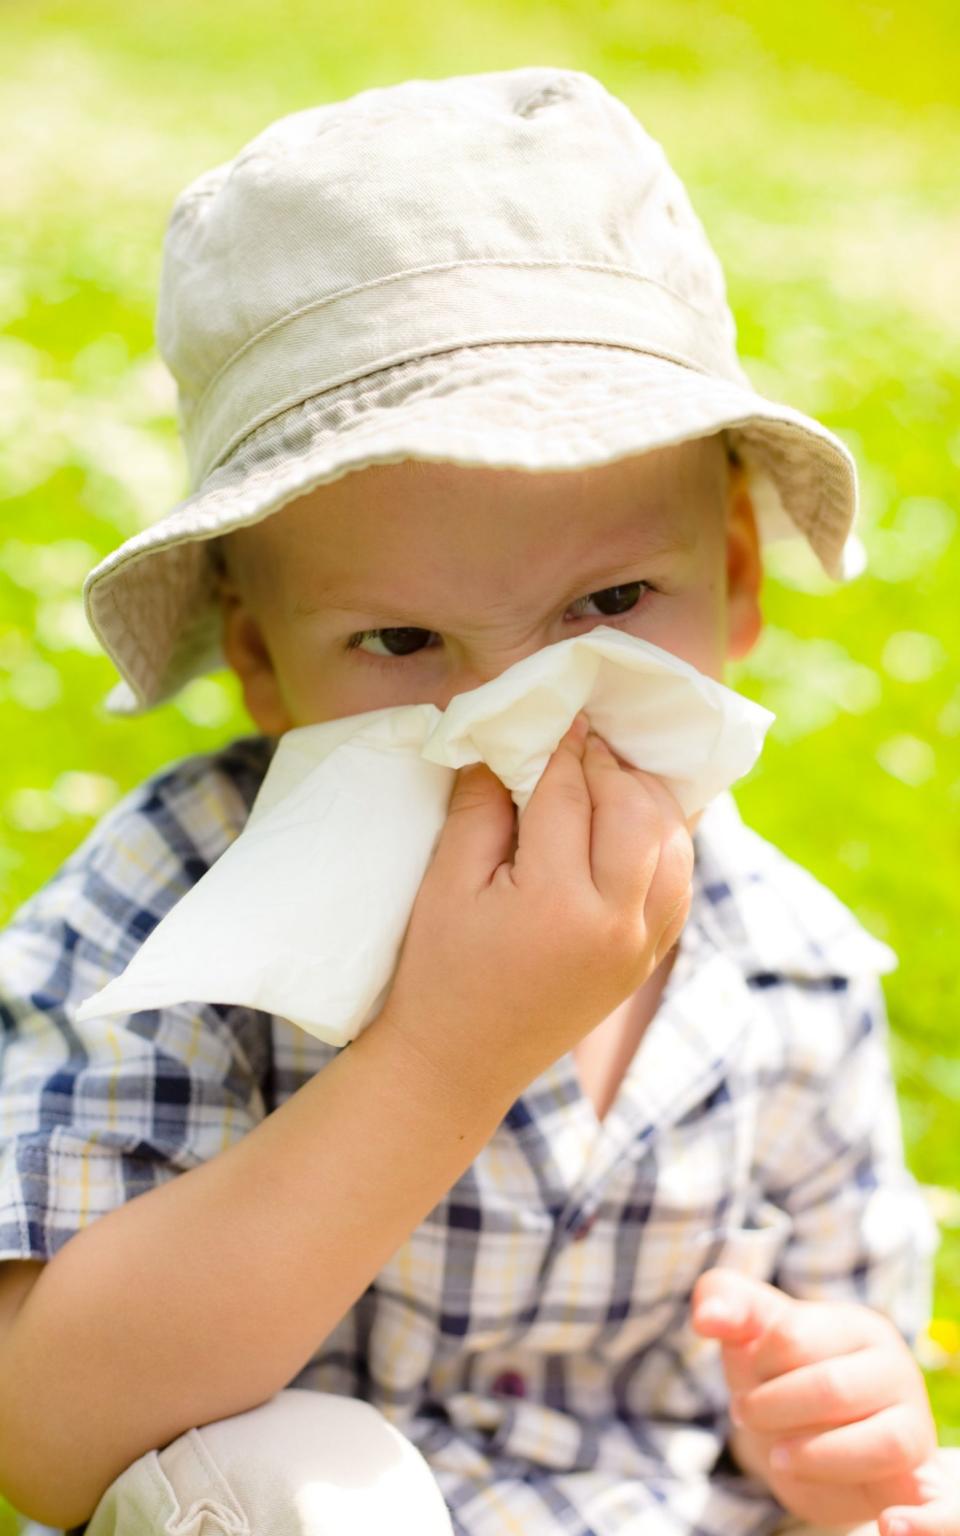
<point>516,405</point>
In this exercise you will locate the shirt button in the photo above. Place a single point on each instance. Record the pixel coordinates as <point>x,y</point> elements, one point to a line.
<point>510,1384</point>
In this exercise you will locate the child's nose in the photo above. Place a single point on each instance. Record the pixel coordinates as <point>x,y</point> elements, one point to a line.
<point>479,671</point>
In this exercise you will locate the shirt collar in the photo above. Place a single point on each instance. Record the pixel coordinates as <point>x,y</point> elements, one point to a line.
<point>753,912</point>
<point>768,913</point>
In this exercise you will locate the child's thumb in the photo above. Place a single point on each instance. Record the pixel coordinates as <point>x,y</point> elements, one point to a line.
<point>477,835</point>
<point>733,1307</point>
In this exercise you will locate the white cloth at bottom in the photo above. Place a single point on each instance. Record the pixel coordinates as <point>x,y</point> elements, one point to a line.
<point>300,1464</point>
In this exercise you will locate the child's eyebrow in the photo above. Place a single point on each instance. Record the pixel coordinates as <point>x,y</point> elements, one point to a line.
<point>331,599</point>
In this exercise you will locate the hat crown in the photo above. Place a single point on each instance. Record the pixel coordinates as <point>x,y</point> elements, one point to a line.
<point>398,275</point>
<point>526,204</point>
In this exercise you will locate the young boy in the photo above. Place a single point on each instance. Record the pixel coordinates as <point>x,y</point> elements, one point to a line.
<point>605,1214</point>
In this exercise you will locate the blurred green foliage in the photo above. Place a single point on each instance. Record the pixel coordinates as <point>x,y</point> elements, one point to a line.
<point>819,145</point>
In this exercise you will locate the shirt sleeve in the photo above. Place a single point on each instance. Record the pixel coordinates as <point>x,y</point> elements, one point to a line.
<point>831,1156</point>
<point>92,1115</point>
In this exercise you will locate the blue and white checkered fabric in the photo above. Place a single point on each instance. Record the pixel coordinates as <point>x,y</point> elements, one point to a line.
<point>532,1335</point>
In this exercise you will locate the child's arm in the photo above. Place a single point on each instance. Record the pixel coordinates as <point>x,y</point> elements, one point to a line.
<point>206,1295</point>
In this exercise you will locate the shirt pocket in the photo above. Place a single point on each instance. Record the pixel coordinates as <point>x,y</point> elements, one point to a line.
<point>754,1248</point>
<point>672,1253</point>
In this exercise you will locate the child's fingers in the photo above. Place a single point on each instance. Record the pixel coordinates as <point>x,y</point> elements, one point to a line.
<point>826,1505</point>
<point>941,1517</point>
<point>826,1394</point>
<point>553,834</point>
<point>781,1332</point>
<point>625,815</point>
<point>936,1509</point>
<point>478,832</point>
<point>766,1333</point>
<point>668,899</point>
<point>735,1308</point>
<point>812,1331</point>
<point>886,1445</point>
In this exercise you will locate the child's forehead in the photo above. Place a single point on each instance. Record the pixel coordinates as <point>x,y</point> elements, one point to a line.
<point>435,516</point>
<point>666,489</point>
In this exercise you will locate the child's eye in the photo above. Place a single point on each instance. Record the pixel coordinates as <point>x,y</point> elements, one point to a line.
<point>405,641</point>
<point>612,600</point>
<point>398,641</point>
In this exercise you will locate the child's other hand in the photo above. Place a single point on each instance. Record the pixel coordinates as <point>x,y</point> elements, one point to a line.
<point>525,936</point>
<point>830,1407</point>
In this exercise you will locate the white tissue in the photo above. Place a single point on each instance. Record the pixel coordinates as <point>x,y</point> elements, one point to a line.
<point>304,914</point>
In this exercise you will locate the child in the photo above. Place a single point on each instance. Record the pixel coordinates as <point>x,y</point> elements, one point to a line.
<point>603,1224</point>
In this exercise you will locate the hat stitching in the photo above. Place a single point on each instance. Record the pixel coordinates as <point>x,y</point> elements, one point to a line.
<point>279,408</point>
<point>574,344</point>
<point>603,408</point>
<point>138,666</point>
<point>446,266</point>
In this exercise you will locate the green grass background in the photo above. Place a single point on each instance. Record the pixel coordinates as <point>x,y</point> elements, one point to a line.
<point>819,145</point>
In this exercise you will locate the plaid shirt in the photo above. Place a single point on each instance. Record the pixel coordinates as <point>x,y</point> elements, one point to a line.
<point>532,1335</point>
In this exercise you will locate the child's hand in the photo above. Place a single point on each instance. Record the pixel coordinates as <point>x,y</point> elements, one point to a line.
<point>524,937</point>
<point>830,1406</point>
<point>939,1515</point>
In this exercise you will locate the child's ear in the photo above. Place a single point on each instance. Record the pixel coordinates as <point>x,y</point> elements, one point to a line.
<point>247,654</point>
<point>744,568</point>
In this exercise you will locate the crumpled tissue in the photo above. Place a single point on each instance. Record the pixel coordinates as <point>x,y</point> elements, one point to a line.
<point>304,914</point>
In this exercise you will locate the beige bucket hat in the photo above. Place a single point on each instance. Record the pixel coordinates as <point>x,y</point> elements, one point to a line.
<point>497,269</point>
